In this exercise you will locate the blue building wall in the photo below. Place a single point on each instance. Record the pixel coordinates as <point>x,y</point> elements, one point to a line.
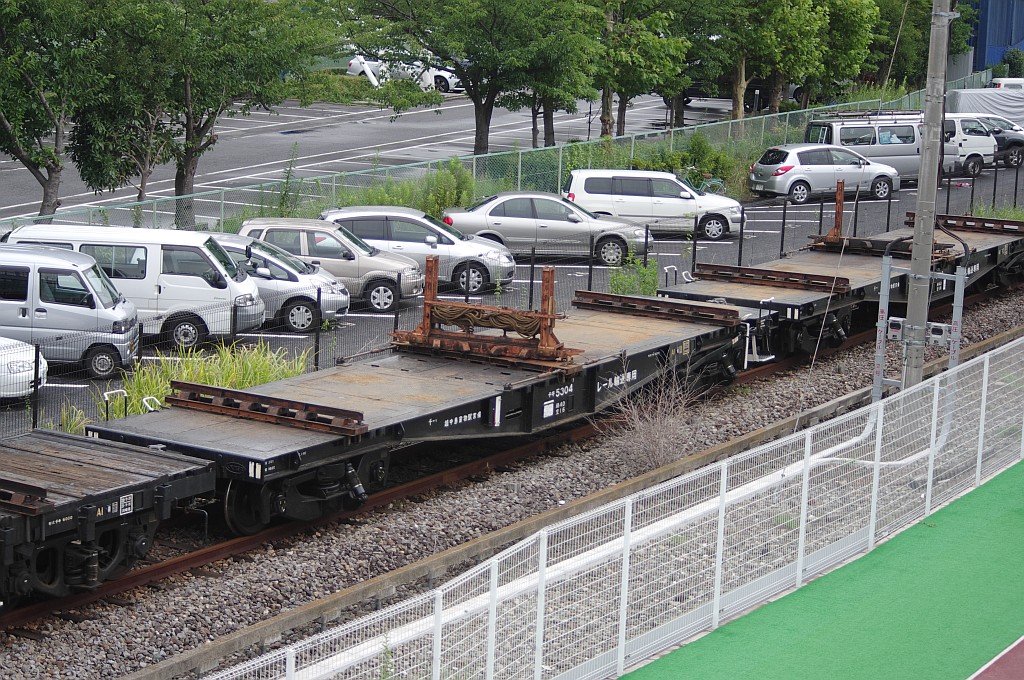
<point>1000,27</point>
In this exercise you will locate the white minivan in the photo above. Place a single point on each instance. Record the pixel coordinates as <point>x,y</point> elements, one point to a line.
<point>660,199</point>
<point>64,303</point>
<point>184,284</point>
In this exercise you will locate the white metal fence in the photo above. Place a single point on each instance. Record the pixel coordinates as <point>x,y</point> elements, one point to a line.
<point>590,596</point>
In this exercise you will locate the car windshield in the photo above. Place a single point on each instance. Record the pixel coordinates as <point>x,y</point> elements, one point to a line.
<point>451,231</point>
<point>103,287</point>
<point>357,242</point>
<point>773,157</point>
<point>282,256</point>
<point>221,257</point>
<point>577,208</point>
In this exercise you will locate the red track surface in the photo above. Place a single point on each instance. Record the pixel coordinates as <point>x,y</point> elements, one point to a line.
<point>1007,666</point>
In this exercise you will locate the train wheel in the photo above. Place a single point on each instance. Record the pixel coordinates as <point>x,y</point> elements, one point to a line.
<point>241,509</point>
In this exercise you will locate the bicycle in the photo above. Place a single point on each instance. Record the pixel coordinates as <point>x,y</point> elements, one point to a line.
<point>704,182</point>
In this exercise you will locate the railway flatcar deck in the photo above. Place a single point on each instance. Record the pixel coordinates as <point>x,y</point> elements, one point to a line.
<point>813,293</point>
<point>76,510</point>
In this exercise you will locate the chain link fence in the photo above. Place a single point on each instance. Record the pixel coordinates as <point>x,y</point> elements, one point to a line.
<point>590,596</point>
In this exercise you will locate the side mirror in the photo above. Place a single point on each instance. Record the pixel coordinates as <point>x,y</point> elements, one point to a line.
<point>573,217</point>
<point>262,272</point>
<point>345,255</point>
<point>431,241</point>
<point>685,194</point>
<point>248,251</point>
<point>89,301</point>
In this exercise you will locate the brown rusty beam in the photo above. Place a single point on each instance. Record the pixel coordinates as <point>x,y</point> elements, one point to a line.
<point>659,308</point>
<point>984,225</point>
<point>24,499</point>
<point>772,277</point>
<point>875,246</point>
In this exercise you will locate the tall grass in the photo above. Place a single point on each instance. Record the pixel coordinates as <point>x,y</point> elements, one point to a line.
<point>230,366</point>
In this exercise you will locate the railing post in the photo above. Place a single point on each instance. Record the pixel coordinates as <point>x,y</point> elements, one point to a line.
<point>802,541</point>
<point>519,172</point>
<point>397,305</point>
<point>492,623</point>
<point>782,228</point>
<point>716,609</point>
<point>234,321</point>
<point>620,656</point>
<point>222,192</point>
<point>931,449</point>
<point>475,178</point>
<point>743,226</point>
<point>981,419</point>
<point>632,150</point>
<point>821,214</point>
<point>436,647</point>
<point>533,265</point>
<point>558,181</point>
<point>35,388</point>
<point>876,473</point>
<point>538,642</point>
<point>316,333</point>
<point>590,264</point>
<point>289,663</point>
<point>693,244</point>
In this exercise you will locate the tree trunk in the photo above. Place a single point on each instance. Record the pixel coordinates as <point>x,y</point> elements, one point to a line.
<point>775,85</point>
<point>549,124</point>
<point>739,88</point>
<point>482,112</point>
<point>50,181</point>
<point>535,128</point>
<point>607,120</point>
<point>184,183</point>
<point>620,123</point>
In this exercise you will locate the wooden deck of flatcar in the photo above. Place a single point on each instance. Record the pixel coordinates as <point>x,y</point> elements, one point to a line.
<point>863,271</point>
<point>394,390</point>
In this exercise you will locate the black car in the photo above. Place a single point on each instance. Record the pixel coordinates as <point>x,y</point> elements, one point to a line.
<point>1009,139</point>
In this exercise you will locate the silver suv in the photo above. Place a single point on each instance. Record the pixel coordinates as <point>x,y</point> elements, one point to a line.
<point>801,170</point>
<point>471,263</point>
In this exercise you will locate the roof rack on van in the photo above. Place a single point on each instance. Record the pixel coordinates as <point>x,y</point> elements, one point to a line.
<point>875,113</point>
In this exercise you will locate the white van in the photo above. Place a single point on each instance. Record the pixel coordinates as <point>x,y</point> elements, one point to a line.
<point>63,302</point>
<point>1007,83</point>
<point>895,138</point>
<point>650,196</point>
<point>184,284</point>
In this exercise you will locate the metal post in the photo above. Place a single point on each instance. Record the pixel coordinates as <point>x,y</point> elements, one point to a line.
<point>802,541</point>
<point>519,172</point>
<point>334,189</point>
<point>888,213</point>
<point>234,321</point>
<point>35,388</point>
<point>956,330</point>
<point>981,420</point>
<point>316,333</point>
<point>542,565</point>
<point>782,229</point>
<point>590,264</point>
<point>821,215</point>
<point>399,279</point>
<point>289,663</point>
<point>475,178</point>
<point>492,623</point>
<point>879,414</point>
<point>716,609</point>
<point>693,244</point>
<point>632,149</point>
<point>436,648</point>
<point>647,242</point>
<point>974,180</point>
<point>222,192</point>
<point>627,529</point>
<point>558,181</point>
<point>856,209</point>
<point>878,382</point>
<point>743,225</point>
<point>1016,185</point>
<point>763,120</point>
<point>995,181</point>
<point>921,255</point>
<point>533,265</point>
<point>949,186</point>
<point>931,448</point>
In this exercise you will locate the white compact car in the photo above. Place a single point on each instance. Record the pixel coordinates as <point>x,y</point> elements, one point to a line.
<point>17,368</point>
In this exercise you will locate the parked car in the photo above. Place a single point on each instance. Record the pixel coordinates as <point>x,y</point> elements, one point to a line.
<point>971,140</point>
<point>800,171</point>
<point>287,285</point>
<point>547,224</point>
<point>428,77</point>
<point>18,368</point>
<point>660,199</point>
<point>1009,139</point>
<point>473,264</point>
<point>380,278</point>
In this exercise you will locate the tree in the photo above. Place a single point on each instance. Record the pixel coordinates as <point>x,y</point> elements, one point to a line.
<point>794,32</point>
<point>50,68</point>
<point>847,37</point>
<point>488,44</point>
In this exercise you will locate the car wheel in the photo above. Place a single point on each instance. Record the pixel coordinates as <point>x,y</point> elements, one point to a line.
<point>301,316</point>
<point>102,362</point>
<point>800,193</point>
<point>382,296</point>
<point>1013,156</point>
<point>881,188</point>
<point>185,332</point>
<point>611,251</point>
<point>973,166</point>
<point>713,227</point>
<point>441,84</point>
<point>471,278</point>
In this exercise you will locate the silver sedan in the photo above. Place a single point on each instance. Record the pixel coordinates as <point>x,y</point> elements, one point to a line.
<point>547,224</point>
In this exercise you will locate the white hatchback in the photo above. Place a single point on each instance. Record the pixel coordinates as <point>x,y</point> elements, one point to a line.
<point>18,370</point>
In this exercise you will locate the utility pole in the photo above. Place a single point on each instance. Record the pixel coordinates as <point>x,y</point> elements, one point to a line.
<point>924,224</point>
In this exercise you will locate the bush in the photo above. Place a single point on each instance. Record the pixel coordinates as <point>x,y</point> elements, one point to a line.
<point>634,277</point>
<point>1014,60</point>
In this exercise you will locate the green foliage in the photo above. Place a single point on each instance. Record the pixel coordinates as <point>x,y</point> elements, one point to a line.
<point>1000,70</point>
<point>233,366</point>
<point>1014,60</point>
<point>634,277</point>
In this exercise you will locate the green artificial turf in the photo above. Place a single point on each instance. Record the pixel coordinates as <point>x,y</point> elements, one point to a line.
<point>937,601</point>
